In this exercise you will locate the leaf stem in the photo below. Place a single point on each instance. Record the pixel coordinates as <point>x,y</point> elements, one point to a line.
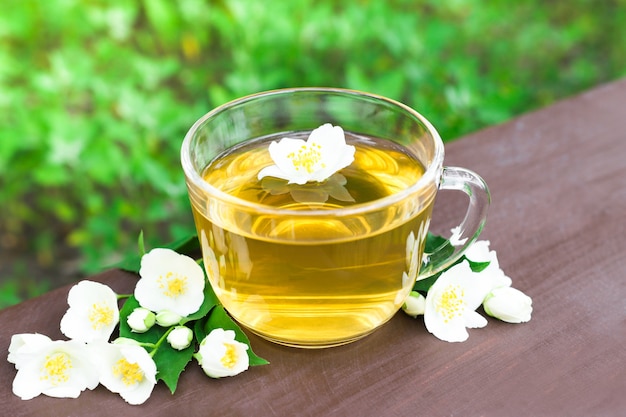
<point>160,341</point>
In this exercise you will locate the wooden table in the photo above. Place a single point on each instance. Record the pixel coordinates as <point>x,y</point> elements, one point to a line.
<point>558,223</point>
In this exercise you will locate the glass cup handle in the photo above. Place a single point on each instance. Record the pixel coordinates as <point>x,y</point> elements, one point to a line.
<point>461,179</point>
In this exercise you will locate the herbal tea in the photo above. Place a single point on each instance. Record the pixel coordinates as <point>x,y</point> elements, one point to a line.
<point>314,279</point>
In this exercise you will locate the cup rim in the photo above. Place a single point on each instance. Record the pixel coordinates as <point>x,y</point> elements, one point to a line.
<point>431,174</point>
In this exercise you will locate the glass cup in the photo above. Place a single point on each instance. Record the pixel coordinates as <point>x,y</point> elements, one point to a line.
<point>309,265</point>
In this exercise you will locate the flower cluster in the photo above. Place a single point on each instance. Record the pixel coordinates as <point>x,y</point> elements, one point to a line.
<point>170,295</point>
<point>314,160</point>
<point>449,304</point>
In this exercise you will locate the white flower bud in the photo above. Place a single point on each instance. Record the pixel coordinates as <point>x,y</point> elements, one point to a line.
<point>415,304</point>
<point>167,318</point>
<point>141,320</point>
<point>125,341</point>
<point>180,337</point>
<point>509,305</point>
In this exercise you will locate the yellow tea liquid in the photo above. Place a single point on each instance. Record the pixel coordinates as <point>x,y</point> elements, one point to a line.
<point>313,280</point>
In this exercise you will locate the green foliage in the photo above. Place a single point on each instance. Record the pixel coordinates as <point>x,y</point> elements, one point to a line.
<point>97,96</point>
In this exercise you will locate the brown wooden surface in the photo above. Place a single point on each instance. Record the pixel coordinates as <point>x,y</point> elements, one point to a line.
<point>558,223</point>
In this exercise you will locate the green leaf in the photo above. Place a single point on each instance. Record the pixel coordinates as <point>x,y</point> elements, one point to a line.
<point>210,301</point>
<point>433,242</point>
<point>423,285</point>
<point>220,319</point>
<point>171,363</point>
<point>142,244</point>
<point>476,266</point>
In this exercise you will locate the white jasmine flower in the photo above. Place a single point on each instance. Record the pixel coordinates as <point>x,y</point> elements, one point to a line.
<point>451,303</point>
<point>320,156</point>
<point>415,304</point>
<point>508,304</point>
<point>455,238</point>
<point>221,355</point>
<point>493,275</point>
<point>127,370</point>
<point>61,369</point>
<point>93,312</point>
<point>180,337</point>
<point>167,318</point>
<point>141,320</point>
<point>170,281</point>
<point>479,252</point>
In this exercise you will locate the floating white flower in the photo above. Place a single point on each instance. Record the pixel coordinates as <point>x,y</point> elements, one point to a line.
<point>451,303</point>
<point>61,369</point>
<point>509,305</point>
<point>141,320</point>
<point>415,304</point>
<point>93,312</point>
<point>170,281</point>
<point>221,355</point>
<point>320,156</point>
<point>127,370</point>
<point>180,337</point>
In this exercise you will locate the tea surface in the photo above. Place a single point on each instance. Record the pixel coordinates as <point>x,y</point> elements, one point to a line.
<point>314,280</point>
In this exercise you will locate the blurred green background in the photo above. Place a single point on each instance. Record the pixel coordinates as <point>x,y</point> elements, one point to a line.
<point>96,96</point>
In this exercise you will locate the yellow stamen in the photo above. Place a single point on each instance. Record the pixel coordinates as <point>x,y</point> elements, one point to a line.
<point>229,360</point>
<point>307,157</point>
<point>173,285</point>
<point>130,373</point>
<point>56,368</point>
<point>451,303</point>
<point>100,315</point>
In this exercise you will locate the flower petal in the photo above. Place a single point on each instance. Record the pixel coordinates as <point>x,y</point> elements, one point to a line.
<point>25,347</point>
<point>474,320</point>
